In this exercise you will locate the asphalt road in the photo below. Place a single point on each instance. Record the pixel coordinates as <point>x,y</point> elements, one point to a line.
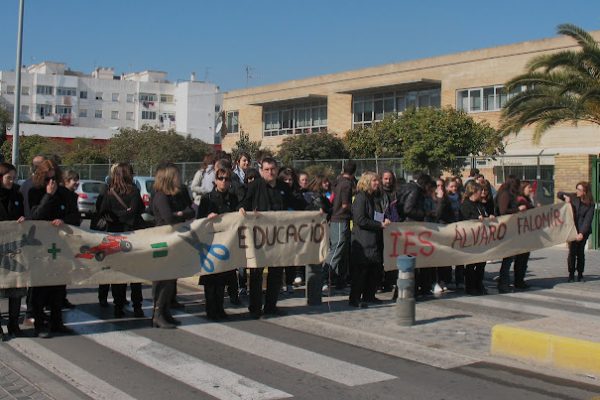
<point>242,358</point>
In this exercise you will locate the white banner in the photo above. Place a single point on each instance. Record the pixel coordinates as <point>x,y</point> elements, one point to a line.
<point>36,253</point>
<point>470,242</point>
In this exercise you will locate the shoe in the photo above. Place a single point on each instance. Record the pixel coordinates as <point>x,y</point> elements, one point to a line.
<point>42,334</point>
<point>290,289</point>
<point>29,321</point>
<point>298,281</point>
<point>256,314</point>
<point>437,289</point>
<point>68,304</point>
<point>138,312</point>
<point>235,300</point>
<point>374,300</point>
<point>169,318</point>
<point>65,330</point>
<point>3,337</point>
<point>243,292</point>
<point>580,278</point>
<point>522,285</point>
<point>503,288</point>
<point>358,304</point>
<point>15,331</point>
<point>276,312</point>
<point>160,322</point>
<point>103,303</point>
<point>177,305</point>
<point>119,313</point>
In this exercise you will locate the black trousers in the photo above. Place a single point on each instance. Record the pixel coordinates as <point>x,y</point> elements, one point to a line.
<point>119,292</point>
<point>576,257</point>
<point>274,280</point>
<point>52,296</point>
<point>214,293</point>
<point>521,261</point>
<point>365,277</point>
<point>474,274</point>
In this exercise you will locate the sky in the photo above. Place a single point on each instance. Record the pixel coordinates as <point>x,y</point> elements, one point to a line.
<point>274,40</point>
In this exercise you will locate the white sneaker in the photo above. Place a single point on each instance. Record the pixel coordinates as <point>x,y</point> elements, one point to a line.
<point>437,289</point>
<point>298,281</point>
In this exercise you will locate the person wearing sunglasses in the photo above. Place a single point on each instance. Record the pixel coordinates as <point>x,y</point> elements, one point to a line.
<point>220,201</point>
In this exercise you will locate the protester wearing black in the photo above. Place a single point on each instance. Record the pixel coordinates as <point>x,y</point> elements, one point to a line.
<point>582,203</point>
<point>170,206</point>
<point>367,234</point>
<point>122,208</point>
<point>50,202</point>
<point>439,211</point>
<point>11,209</point>
<point>472,209</point>
<point>267,194</point>
<point>389,205</point>
<point>219,201</point>
<point>521,260</point>
<point>411,197</point>
<point>335,267</point>
<point>506,203</point>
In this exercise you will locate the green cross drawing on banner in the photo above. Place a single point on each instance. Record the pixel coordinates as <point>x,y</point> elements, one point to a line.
<point>54,251</point>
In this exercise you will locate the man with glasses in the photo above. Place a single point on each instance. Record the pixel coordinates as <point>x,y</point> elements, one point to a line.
<point>266,193</point>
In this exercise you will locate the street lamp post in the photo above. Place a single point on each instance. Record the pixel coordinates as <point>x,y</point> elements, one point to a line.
<point>17,110</point>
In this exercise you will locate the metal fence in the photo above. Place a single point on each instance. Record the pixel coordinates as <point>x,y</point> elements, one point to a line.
<point>100,171</point>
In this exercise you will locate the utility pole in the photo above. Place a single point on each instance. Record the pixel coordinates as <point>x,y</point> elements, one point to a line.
<point>17,109</point>
<point>249,75</point>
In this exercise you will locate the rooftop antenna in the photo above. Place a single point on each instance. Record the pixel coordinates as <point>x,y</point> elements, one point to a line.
<point>206,70</point>
<point>249,73</point>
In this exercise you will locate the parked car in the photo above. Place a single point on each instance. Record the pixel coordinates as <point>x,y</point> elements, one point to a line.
<point>145,185</point>
<point>87,192</point>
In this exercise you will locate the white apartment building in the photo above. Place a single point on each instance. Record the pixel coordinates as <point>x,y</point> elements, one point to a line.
<point>59,102</point>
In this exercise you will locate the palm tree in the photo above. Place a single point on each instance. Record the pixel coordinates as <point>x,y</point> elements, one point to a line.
<point>561,87</point>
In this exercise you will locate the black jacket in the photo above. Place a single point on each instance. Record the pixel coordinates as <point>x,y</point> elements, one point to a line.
<point>261,196</point>
<point>367,240</point>
<point>165,208</point>
<point>506,203</point>
<point>11,204</point>
<point>218,203</point>
<point>121,219</point>
<point>316,201</point>
<point>412,200</point>
<point>61,205</point>
<point>583,214</point>
<point>472,210</point>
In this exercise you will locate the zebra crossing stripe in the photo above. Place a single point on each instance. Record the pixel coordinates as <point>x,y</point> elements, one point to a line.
<point>208,378</point>
<point>295,357</point>
<point>67,371</point>
<point>159,253</point>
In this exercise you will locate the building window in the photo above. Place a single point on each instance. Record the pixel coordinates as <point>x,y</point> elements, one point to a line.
<point>115,97</point>
<point>24,109</point>
<point>98,95</point>
<point>83,94</point>
<point>130,98</point>
<point>374,108</point>
<point>301,118</point>
<point>43,110</point>
<point>98,114</point>
<point>489,98</point>
<point>82,113</point>
<point>233,124</point>
<point>114,115</point>
<point>148,114</point>
<point>46,90</point>
<point>148,97</point>
<point>25,90</point>
<point>66,91</point>
<point>63,110</point>
<point>166,98</point>
<point>10,89</point>
<point>129,116</point>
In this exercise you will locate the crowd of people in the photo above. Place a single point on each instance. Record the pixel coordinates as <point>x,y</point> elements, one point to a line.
<point>358,211</point>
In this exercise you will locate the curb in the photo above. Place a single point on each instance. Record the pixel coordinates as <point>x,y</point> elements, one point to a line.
<point>582,356</point>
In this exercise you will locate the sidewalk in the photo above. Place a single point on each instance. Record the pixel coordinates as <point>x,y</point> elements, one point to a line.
<point>551,328</point>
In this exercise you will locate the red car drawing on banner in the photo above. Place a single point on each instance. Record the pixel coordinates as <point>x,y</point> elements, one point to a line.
<point>110,244</point>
